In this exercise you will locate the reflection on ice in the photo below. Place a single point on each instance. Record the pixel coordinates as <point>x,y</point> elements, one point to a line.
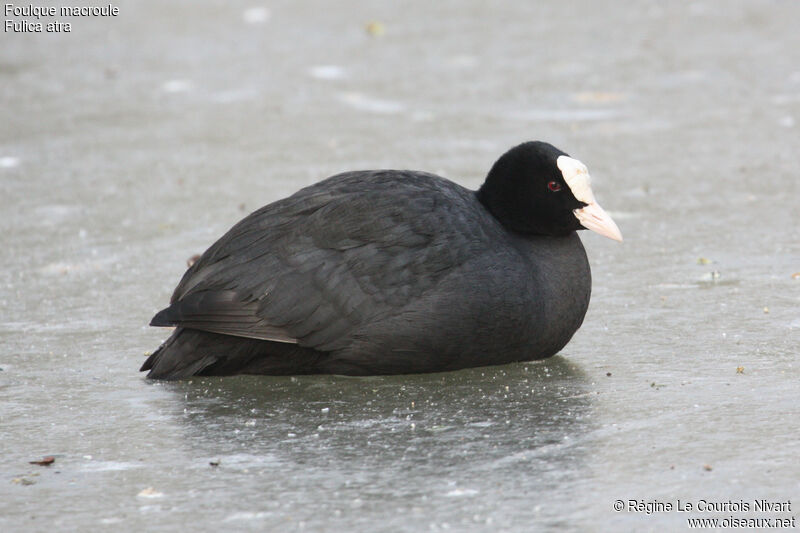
<point>369,104</point>
<point>327,72</point>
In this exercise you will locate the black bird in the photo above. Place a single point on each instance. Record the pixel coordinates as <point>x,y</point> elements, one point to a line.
<point>392,272</point>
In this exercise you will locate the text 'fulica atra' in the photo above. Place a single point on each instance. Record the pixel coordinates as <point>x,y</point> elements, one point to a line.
<point>390,272</point>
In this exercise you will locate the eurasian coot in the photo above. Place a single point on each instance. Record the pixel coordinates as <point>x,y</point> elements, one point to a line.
<point>390,272</point>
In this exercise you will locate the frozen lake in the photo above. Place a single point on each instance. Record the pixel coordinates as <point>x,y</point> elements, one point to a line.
<point>133,142</point>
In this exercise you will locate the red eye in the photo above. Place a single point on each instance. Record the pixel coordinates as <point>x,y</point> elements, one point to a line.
<point>554,186</point>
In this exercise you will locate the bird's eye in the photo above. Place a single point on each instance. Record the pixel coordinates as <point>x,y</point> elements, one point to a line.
<point>554,186</point>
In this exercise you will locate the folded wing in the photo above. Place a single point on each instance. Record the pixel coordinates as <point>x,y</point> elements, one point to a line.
<point>313,268</point>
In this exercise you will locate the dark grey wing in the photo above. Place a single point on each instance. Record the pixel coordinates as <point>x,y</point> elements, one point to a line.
<point>220,311</point>
<point>316,266</point>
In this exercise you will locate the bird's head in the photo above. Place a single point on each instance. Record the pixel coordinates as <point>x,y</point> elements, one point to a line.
<point>536,188</point>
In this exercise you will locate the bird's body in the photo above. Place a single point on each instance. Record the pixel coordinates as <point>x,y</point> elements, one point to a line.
<point>374,272</point>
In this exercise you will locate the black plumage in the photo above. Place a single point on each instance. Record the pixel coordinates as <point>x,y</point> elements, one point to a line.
<point>386,271</point>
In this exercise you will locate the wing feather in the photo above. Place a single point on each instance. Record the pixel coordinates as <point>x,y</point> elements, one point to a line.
<point>316,267</point>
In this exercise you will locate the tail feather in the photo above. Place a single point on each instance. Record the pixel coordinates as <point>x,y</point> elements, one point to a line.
<point>191,352</point>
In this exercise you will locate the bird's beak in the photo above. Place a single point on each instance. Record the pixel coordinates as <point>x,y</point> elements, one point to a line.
<point>592,216</point>
<point>595,218</point>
